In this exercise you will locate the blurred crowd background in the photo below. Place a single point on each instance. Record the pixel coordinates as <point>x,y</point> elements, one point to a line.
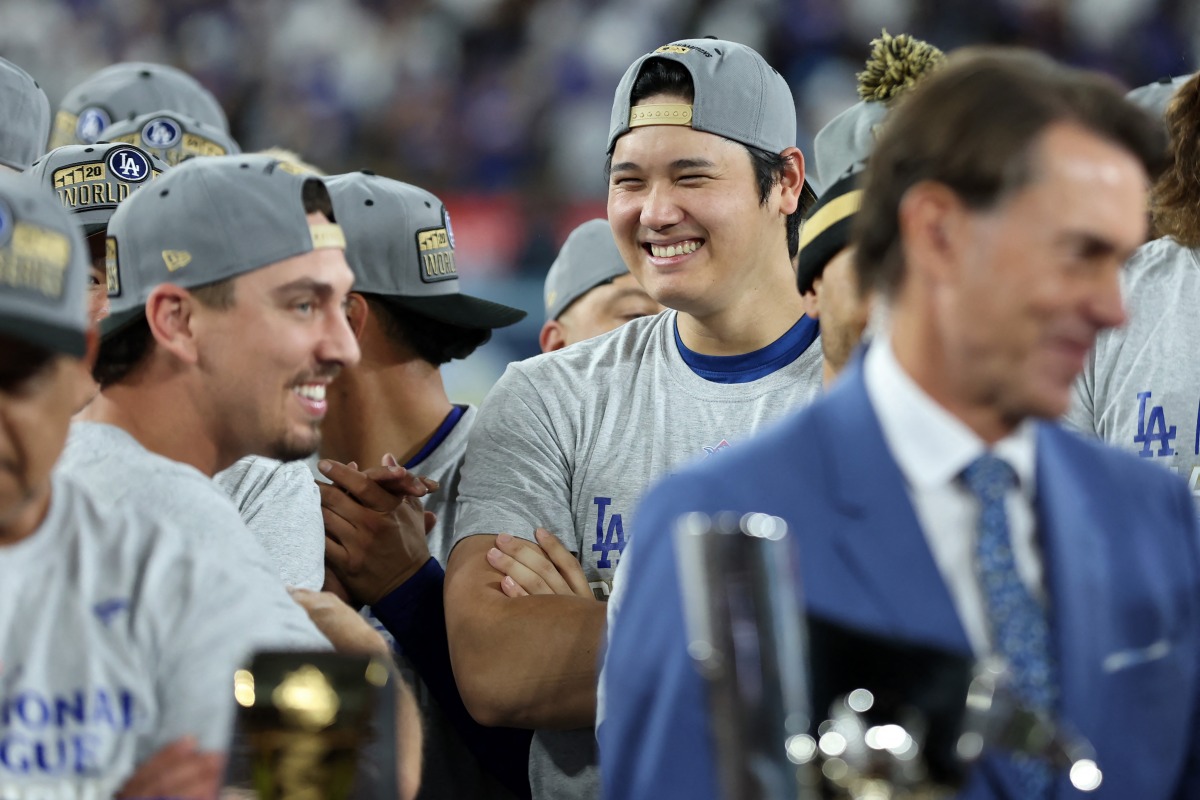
<point>501,107</point>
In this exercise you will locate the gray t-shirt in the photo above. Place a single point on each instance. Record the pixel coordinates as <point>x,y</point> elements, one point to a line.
<point>119,633</point>
<point>571,440</point>
<point>281,505</point>
<point>444,465</point>
<point>1137,390</point>
<point>122,473</point>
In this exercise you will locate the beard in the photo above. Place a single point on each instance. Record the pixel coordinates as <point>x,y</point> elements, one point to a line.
<point>293,445</point>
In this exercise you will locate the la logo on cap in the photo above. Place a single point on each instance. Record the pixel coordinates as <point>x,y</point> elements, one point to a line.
<point>129,164</point>
<point>92,121</point>
<point>162,133</point>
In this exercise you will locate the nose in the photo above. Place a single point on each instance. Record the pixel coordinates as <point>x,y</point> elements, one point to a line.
<point>338,344</point>
<point>660,209</point>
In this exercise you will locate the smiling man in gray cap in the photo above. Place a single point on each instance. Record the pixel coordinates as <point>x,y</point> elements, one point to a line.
<point>25,125</point>
<point>589,290</point>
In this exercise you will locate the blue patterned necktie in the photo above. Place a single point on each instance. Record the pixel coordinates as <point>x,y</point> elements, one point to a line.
<point>1020,631</point>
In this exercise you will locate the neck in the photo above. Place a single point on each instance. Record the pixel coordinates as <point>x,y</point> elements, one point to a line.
<point>919,351</point>
<point>377,409</point>
<point>27,518</point>
<point>164,419</point>
<point>756,318</point>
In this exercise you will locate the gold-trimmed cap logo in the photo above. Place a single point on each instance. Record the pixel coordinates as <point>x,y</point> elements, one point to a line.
<point>32,258</point>
<point>660,114</point>
<point>112,277</point>
<point>435,253</point>
<point>176,259</point>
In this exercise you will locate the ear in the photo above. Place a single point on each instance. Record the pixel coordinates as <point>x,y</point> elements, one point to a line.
<point>932,223</point>
<point>811,300</point>
<point>553,336</point>
<point>169,311</point>
<point>791,180</point>
<point>357,312</point>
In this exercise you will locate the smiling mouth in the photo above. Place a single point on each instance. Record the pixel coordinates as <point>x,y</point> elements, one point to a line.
<point>683,248</point>
<point>314,392</point>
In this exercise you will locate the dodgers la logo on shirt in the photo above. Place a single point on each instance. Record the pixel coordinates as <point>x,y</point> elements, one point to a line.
<point>129,164</point>
<point>162,133</point>
<point>92,120</point>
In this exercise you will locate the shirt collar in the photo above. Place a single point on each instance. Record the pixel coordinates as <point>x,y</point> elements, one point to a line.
<point>930,445</point>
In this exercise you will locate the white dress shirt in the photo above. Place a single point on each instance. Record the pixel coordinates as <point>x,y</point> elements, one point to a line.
<point>932,447</point>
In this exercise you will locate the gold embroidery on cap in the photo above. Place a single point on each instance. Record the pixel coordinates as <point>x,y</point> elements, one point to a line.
<point>195,144</point>
<point>327,235</point>
<point>64,129</point>
<point>436,254</point>
<point>833,212</point>
<point>550,298</point>
<point>112,277</point>
<point>36,258</point>
<point>176,259</point>
<point>660,114</point>
<point>672,48</point>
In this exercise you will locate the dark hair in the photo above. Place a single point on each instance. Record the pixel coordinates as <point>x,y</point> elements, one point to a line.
<point>973,126</point>
<point>659,76</point>
<point>316,198</point>
<point>1173,207</point>
<point>432,340</point>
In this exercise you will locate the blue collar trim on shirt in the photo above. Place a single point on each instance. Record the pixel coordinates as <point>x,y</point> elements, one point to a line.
<point>439,436</point>
<point>751,366</point>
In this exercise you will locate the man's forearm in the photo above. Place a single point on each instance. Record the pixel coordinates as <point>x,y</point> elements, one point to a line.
<point>525,661</point>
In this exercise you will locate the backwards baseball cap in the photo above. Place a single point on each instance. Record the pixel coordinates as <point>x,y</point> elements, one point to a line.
<point>399,244</point>
<point>26,121</point>
<point>91,179</point>
<point>895,65</point>
<point>127,90</point>
<point>43,269</point>
<point>588,258</point>
<point>1154,97</point>
<point>204,221</point>
<point>826,231</point>
<point>172,137</point>
<point>737,95</point>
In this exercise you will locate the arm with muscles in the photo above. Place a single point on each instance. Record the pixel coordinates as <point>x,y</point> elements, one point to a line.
<point>654,740</point>
<point>528,662</point>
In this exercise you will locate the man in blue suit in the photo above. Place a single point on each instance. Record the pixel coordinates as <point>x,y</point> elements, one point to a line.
<point>929,498</point>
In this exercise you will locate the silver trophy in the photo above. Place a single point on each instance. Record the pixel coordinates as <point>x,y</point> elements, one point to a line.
<point>805,708</point>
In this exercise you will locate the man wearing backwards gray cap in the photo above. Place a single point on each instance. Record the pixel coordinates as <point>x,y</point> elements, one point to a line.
<point>589,290</point>
<point>114,614</point>
<point>26,120</point>
<point>704,202</point>
<point>127,90</point>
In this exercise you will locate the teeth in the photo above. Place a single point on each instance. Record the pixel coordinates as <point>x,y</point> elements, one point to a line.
<point>680,249</point>
<point>313,391</point>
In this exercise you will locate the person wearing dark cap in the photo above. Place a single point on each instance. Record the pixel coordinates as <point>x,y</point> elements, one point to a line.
<point>826,278</point>
<point>25,125</point>
<point>705,196</point>
<point>120,628</point>
<point>127,90</point>
<point>589,290</point>
<point>172,136</point>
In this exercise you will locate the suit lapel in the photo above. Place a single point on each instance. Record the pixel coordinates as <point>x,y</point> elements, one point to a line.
<point>879,538</point>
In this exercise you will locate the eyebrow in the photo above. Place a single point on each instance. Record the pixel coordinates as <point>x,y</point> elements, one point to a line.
<point>677,164</point>
<point>301,285</point>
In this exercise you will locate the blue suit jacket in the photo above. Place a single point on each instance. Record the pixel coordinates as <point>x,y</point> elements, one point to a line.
<point>1121,551</point>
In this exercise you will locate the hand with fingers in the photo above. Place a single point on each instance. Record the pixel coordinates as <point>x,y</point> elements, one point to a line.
<point>179,770</point>
<point>532,569</point>
<point>375,526</point>
<point>344,627</point>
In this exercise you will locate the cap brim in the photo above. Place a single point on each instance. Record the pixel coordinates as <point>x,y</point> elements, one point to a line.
<point>58,338</point>
<point>119,321</point>
<point>461,310</point>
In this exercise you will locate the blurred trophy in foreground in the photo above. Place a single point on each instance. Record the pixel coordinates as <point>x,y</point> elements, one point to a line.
<point>317,726</point>
<point>803,707</point>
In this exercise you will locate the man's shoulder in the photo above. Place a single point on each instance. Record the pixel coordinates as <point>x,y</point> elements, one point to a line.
<point>623,346</point>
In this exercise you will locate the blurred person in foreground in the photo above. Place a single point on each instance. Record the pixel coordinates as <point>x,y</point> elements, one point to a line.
<point>589,290</point>
<point>120,631</point>
<point>705,191</point>
<point>1137,390</point>
<point>929,497</point>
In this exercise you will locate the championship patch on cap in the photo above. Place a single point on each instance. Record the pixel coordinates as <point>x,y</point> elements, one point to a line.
<point>435,253</point>
<point>129,164</point>
<point>92,120</point>
<point>161,133</point>
<point>33,258</point>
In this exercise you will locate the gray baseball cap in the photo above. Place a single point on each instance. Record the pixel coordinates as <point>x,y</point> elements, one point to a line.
<point>204,221</point>
<point>91,179</point>
<point>1154,97</point>
<point>400,244</point>
<point>588,258</point>
<point>43,269</point>
<point>827,227</point>
<point>846,142</point>
<point>127,90</point>
<point>26,122</point>
<point>738,95</point>
<point>172,137</point>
